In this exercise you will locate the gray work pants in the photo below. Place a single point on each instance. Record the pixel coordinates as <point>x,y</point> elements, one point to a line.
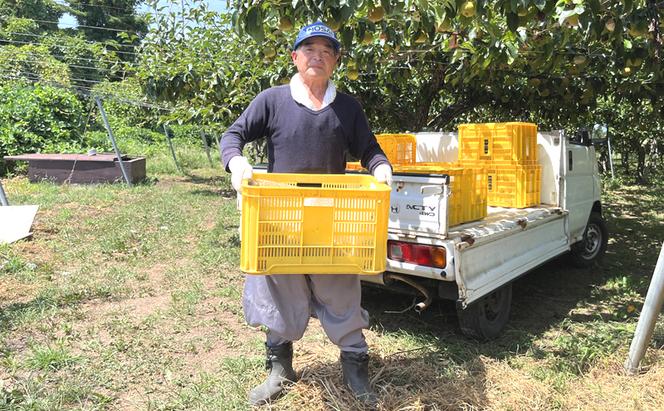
<point>283,303</point>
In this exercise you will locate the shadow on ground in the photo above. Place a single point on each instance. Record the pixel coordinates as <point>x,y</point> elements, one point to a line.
<point>546,296</point>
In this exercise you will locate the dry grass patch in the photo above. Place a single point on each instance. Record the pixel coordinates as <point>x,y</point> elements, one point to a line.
<point>509,388</point>
<point>16,292</point>
<point>606,386</point>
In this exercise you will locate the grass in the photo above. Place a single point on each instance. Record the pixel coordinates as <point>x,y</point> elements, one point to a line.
<point>130,298</point>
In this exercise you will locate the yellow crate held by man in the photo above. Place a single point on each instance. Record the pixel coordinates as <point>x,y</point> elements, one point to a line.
<point>314,224</point>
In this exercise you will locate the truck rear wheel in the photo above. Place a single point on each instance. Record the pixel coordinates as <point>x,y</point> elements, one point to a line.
<point>486,318</point>
<point>593,246</point>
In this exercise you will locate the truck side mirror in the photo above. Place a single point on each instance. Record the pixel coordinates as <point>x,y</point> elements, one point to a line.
<point>599,134</point>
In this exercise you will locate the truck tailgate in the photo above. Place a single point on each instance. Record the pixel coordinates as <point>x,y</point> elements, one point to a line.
<point>505,245</point>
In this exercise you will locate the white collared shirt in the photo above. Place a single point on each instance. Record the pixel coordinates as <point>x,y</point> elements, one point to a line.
<point>301,94</point>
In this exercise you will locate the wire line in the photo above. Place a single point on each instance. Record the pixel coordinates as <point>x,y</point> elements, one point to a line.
<point>76,25</point>
<point>45,62</point>
<point>60,45</point>
<point>94,5</point>
<point>87,92</point>
<point>85,41</point>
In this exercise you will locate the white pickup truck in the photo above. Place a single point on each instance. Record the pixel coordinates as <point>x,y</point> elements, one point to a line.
<point>475,263</point>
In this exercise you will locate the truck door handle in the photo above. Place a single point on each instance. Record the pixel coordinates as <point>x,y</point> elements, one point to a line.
<point>431,190</point>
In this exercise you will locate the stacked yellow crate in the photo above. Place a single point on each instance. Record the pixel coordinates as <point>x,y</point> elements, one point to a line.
<point>509,153</point>
<point>400,149</point>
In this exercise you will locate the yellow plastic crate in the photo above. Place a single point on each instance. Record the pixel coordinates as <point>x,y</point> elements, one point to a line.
<point>354,166</point>
<point>314,224</point>
<point>399,148</point>
<point>468,200</point>
<point>514,186</point>
<point>505,143</point>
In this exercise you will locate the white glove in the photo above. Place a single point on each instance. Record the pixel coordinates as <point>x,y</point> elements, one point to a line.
<point>240,169</point>
<point>383,173</point>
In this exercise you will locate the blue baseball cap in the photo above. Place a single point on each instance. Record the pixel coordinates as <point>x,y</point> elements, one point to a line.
<point>316,29</point>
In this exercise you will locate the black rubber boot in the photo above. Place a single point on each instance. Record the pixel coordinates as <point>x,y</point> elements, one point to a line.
<point>355,367</point>
<point>279,362</point>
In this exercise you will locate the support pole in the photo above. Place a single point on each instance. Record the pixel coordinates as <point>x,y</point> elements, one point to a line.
<point>112,138</point>
<point>3,196</point>
<point>608,144</point>
<point>170,144</point>
<point>206,147</point>
<point>648,318</point>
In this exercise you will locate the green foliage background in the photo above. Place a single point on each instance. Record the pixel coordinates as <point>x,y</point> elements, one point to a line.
<point>38,117</point>
<point>414,65</point>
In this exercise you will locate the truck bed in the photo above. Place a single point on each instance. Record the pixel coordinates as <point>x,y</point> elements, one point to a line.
<point>500,221</point>
<point>528,237</point>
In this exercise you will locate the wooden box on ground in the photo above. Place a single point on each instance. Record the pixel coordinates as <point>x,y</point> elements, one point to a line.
<point>81,168</point>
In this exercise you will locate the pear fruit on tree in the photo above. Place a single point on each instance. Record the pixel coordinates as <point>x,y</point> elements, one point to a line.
<point>468,9</point>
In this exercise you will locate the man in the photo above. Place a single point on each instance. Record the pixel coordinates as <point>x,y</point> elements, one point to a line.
<point>309,128</point>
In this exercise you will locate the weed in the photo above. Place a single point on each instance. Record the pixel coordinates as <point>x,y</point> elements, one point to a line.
<point>578,347</point>
<point>184,301</point>
<point>50,357</point>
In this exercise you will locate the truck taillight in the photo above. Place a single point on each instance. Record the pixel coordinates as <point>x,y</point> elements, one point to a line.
<point>419,254</point>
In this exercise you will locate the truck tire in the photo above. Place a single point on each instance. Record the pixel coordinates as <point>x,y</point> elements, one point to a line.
<point>591,249</point>
<point>486,318</point>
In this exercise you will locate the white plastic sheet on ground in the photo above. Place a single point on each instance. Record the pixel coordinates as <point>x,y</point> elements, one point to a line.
<point>15,222</point>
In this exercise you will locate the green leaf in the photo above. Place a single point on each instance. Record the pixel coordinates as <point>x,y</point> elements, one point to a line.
<point>595,6</point>
<point>512,52</point>
<point>253,24</point>
<point>345,13</point>
<point>565,14</point>
<point>235,22</point>
<point>347,37</point>
<point>439,12</point>
<point>513,21</point>
<point>486,62</point>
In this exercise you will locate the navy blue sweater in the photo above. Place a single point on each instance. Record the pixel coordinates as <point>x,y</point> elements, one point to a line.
<point>301,140</point>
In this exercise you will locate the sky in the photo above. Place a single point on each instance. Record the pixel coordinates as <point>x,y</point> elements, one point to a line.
<point>69,21</point>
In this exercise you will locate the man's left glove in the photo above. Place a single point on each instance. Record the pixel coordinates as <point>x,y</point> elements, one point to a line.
<point>240,169</point>
<point>383,173</point>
